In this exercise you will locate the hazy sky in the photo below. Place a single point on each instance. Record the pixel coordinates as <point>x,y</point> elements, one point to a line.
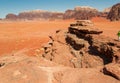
<point>16,6</point>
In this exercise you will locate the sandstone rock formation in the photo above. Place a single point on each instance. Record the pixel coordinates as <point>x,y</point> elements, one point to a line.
<point>81,13</point>
<point>82,46</point>
<point>11,17</point>
<point>25,69</point>
<point>78,13</point>
<point>112,70</point>
<point>114,14</point>
<point>107,10</point>
<point>36,15</point>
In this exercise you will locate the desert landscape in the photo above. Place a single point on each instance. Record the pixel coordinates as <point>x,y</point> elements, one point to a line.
<point>17,36</point>
<point>31,35</point>
<point>79,45</point>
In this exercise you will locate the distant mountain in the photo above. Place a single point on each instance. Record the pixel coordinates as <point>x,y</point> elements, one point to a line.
<point>107,10</point>
<point>11,16</point>
<point>81,12</point>
<point>40,14</point>
<point>114,14</point>
<point>36,15</point>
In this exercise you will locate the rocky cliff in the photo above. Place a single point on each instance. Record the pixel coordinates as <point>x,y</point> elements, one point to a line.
<point>81,12</point>
<point>36,15</point>
<point>114,14</point>
<point>82,46</point>
<point>78,13</point>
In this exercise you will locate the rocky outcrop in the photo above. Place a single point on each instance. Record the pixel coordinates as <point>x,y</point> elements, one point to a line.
<point>57,49</point>
<point>81,13</point>
<point>24,69</point>
<point>69,14</point>
<point>36,15</point>
<point>82,46</point>
<point>114,14</point>
<point>107,10</point>
<point>112,70</point>
<point>11,17</point>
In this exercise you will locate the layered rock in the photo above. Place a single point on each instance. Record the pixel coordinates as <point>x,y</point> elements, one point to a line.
<point>114,14</point>
<point>36,15</point>
<point>112,70</point>
<point>81,13</point>
<point>82,46</point>
<point>69,14</point>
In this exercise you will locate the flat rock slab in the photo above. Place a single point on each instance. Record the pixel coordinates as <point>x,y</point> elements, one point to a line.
<point>24,69</point>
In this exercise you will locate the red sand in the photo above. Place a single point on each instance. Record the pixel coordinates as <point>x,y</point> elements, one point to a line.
<point>28,36</point>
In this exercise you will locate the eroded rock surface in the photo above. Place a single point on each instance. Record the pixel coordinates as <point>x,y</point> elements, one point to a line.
<point>80,54</point>
<point>25,69</point>
<point>112,70</point>
<point>114,14</point>
<point>82,46</point>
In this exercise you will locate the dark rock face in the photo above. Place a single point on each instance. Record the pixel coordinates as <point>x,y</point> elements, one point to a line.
<point>114,14</point>
<point>82,46</point>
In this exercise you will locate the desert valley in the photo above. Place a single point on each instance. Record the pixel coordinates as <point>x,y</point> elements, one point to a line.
<point>77,46</point>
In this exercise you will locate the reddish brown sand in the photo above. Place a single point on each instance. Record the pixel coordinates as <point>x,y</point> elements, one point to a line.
<point>26,37</point>
<point>109,29</point>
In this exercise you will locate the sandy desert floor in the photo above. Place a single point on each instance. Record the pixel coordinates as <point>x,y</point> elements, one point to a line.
<point>27,37</point>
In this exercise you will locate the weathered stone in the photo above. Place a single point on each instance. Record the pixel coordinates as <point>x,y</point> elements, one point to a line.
<point>81,13</point>
<point>83,47</point>
<point>112,70</point>
<point>75,42</point>
<point>114,14</point>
